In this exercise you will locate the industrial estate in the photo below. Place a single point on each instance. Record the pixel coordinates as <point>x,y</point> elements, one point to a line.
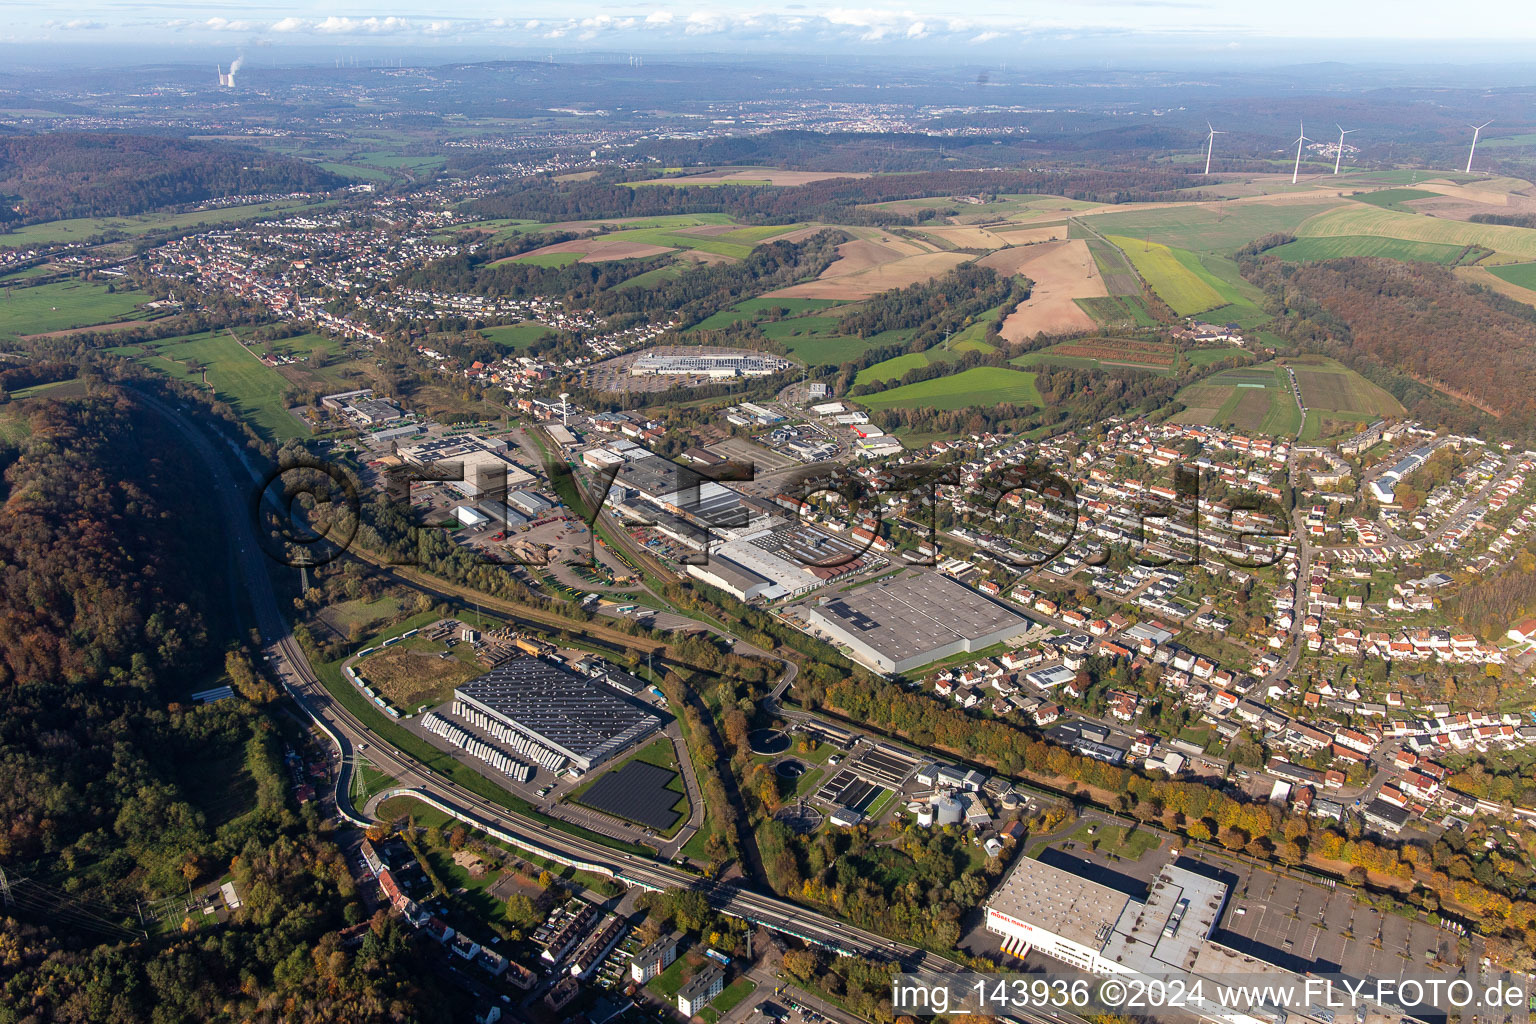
<point>607,540</point>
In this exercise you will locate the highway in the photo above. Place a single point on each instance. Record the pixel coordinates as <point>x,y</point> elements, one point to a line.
<point>288,663</point>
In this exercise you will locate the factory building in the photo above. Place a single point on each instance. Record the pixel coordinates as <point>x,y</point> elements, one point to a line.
<point>472,465</point>
<point>574,717</point>
<point>904,622</point>
<point>732,577</point>
<point>677,489</point>
<point>708,364</point>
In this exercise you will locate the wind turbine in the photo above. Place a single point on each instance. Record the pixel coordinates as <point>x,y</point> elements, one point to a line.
<point>1338,157</point>
<point>1210,141</point>
<point>1299,140</point>
<point>1476,131</point>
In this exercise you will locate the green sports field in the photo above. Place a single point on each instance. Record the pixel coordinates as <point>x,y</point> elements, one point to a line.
<point>238,377</point>
<point>64,305</point>
<point>980,385</point>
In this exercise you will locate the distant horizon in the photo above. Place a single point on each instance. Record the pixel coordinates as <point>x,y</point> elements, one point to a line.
<point>1174,34</point>
<point>1512,61</point>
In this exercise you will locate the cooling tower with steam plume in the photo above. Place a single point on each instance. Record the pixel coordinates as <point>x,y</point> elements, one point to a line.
<point>228,80</point>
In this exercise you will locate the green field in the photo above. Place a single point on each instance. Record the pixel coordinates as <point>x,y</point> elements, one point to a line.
<point>79,229</point>
<point>801,327</point>
<point>63,305</point>
<point>1305,250</point>
<point>237,376</point>
<point>835,349</point>
<point>1220,228</point>
<point>1521,275</point>
<point>1118,311</point>
<point>550,259</point>
<point>1394,198</point>
<point>750,310</point>
<point>1177,275</point>
<point>517,336</point>
<point>647,278</point>
<point>736,244</point>
<point>980,385</point>
<point>894,367</point>
<point>1510,244</point>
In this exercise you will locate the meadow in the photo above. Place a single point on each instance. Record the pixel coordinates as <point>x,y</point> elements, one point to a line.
<point>64,305</point>
<point>1509,244</point>
<point>1208,227</point>
<point>1394,198</point>
<point>980,385</point>
<point>550,259</point>
<point>749,310</point>
<point>235,373</point>
<point>517,336</point>
<point>1176,275</point>
<point>1521,275</point>
<point>1305,250</point>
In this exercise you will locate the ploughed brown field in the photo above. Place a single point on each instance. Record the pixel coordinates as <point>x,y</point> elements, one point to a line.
<point>1062,271</point>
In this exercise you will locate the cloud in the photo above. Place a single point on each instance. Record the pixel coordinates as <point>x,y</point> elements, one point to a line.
<point>288,25</point>
<point>660,18</point>
<point>985,37</point>
<point>703,23</point>
<point>218,24</point>
<point>362,26</point>
<point>76,25</point>
<point>917,30</point>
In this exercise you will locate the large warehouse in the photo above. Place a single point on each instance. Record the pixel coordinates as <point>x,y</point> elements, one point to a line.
<point>1277,933</point>
<point>907,621</point>
<point>679,489</point>
<point>478,467</point>
<point>572,715</point>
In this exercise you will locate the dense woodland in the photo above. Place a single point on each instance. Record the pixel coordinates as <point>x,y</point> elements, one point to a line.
<point>118,789</point>
<point>1443,348</point>
<point>100,174</point>
<point>839,200</point>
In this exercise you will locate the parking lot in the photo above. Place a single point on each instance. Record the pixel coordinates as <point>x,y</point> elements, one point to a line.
<point>1311,926</point>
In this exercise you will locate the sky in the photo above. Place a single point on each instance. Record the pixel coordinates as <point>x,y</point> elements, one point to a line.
<point>1180,30</point>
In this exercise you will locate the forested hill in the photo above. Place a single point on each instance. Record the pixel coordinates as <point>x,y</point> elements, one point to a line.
<point>118,789</point>
<point>90,174</point>
<point>835,200</point>
<point>1450,352</point>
